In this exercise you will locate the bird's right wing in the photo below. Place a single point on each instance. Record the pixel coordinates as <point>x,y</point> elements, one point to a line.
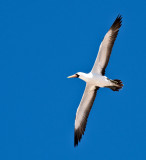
<point>83,112</point>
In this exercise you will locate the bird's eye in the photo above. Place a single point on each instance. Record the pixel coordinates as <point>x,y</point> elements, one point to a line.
<point>77,75</point>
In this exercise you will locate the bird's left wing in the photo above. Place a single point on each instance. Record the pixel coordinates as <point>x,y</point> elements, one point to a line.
<point>83,112</point>
<point>106,46</point>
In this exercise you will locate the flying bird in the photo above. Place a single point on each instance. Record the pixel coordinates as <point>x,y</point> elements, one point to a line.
<point>96,79</point>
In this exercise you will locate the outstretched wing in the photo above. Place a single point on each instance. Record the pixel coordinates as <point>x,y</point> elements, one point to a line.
<point>83,112</point>
<point>106,46</point>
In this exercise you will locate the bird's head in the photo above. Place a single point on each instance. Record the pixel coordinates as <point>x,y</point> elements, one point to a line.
<point>77,75</point>
<point>80,75</point>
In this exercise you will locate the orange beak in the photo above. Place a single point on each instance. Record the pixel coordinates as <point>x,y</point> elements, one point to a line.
<point>73,76</point>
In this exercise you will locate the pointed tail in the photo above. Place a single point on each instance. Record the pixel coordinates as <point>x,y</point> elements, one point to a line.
<point>117,85</point>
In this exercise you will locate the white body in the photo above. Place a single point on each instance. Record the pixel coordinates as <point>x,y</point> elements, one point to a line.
<point>95,79</point>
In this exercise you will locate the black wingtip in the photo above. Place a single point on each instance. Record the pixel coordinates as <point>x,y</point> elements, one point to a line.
<point>75,141</point>
<point>116,25</point>
<point>77,137</point>
<point>118,20</point>
<point>119,16</point>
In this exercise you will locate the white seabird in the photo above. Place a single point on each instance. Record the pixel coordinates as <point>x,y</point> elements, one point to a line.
<point>96,79</point>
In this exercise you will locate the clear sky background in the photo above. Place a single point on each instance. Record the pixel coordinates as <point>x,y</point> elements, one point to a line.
<point>43,42</point>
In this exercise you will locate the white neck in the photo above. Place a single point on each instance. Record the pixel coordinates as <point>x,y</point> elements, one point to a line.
<point>84,76</point>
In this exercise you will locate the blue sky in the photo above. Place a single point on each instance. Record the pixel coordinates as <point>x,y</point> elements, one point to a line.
<point>43,42</point>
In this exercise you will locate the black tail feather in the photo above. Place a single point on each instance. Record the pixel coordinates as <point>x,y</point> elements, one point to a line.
<point>118,84</point>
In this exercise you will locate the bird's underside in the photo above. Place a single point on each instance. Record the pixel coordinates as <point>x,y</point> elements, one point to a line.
<point>91,88</point>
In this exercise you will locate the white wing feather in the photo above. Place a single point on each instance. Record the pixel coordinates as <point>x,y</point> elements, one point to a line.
<point>83,111</point>
<point>105,48</point>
